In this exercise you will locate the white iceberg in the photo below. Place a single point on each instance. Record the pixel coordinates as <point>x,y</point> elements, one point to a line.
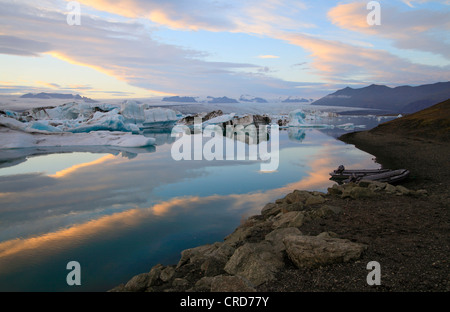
<point>159,118</point>
<point>349,126</point>
<point>219,120</point>
<point>147,118</point>
<point>85,117</point>
<point>100,121</point>
<point>16,134</point>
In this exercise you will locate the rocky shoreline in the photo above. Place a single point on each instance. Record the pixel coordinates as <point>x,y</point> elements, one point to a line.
<point>267,245</point>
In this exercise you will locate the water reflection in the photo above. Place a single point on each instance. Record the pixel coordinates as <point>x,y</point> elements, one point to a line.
<point>296,134</point>
<point>118,215</point>
<point>13,157</point>
<point>162,136</point>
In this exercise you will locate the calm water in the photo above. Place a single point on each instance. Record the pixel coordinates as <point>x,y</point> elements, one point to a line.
<point>120,213</point>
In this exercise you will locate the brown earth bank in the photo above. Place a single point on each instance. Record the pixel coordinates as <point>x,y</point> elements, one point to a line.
<point>323,242</point>
<point>408,236</point>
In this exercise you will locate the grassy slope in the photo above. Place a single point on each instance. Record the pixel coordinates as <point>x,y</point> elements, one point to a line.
<point>430,123</point>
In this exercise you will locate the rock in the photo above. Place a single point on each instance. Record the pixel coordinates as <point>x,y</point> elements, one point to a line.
<point>403,190</point>
<point>154,275</point>
<point>138,283</point>
<point>313,251</point>
<point>180,282</point>
<point>315,199</point>
<point>376,186</point>
<point>276,237</point>
<point>215,262</point>
<point>284,207</point>
<point>390,189</point>
<point>270,209</point>
<point>203,284</point>
<point>335,189</point>
<point>210,259</point>
<point>327,235</point>
<point>196,254</point>
<point>256,262</point>
<point>143,281</point>
<point>290,219</point>
<point>249,231</point>
<point>167,274</point>
<point>297,196</point>
<point>223,283</point>
<point>357,192</point>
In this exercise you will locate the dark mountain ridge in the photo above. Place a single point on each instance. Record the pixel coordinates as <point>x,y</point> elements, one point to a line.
<point>402,99</point>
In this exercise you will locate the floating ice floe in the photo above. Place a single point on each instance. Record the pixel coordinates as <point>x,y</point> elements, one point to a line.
<point>349,126</point>
<point>10,138</point>
<point>148,118</point>
<point>83,124</point>
<point>85,117</point>
<point>219,120</point>
<point>297,118</point>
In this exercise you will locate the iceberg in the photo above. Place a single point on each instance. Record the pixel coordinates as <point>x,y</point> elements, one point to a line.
<point>349,126</point>
<point>219,120</point>
<point>109,121</point>
<point>19,139</point>
<point>297,118</point>
<point>144,117</point>
<point>17,134</point>
<point>86,117</point>
<point>71,110</point>
<point>132,112</point>
<point>161,118</point>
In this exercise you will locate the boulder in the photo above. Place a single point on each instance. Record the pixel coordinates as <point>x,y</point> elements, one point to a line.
<point>270,209</point>
<point>167,274</point>
<point>403,190</point>
<point>276,237</point>
<point>335,189</point>
<point>290,219</point>
<point>210,259</point>
<point>390,189</point>
<point>357,192</point>
<point>249,230</point>
<point>256,262</point>
<point>314,199</point>
<point>285,207</point>
<point>313,251</point>
<point>138,283</point>
<point>297,196</point>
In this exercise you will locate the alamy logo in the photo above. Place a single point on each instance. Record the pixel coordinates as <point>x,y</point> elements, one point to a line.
<point>74,15</point>
<point>74,276</point>
<point>374,276</point>
<point>220,144</point>
<point>374,16</point>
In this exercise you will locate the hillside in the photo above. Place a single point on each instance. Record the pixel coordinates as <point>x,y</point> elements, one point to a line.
<point>403,99</point>
<point>430,123</point>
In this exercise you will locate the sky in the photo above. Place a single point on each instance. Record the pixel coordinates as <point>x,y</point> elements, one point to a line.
<point>265,48</point>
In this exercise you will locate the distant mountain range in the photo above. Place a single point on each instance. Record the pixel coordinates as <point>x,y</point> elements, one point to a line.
<point>44,95</point>
<point>245,98</point>
<point>293,99</point>
<point>180,99</point>
<point>403,99</point>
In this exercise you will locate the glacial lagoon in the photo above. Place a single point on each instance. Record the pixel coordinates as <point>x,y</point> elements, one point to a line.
<point>120,212</point>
